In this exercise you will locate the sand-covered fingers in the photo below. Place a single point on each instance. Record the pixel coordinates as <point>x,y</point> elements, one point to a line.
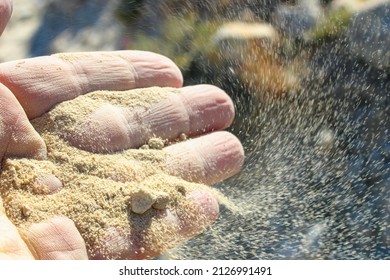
<point>5,13</point>
<point>106,222</point>
<point>152,235</point>
<point>149,214</point>
<point>42,82</point>
<point>106,121</point>
<point>190,111</point>
<point>126,204</point>
<point>18,138</point>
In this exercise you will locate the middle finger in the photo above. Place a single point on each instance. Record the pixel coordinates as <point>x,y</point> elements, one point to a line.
<point>194,111</point>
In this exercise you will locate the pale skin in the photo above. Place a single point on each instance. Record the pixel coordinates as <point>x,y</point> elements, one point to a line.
<point>31,87</point>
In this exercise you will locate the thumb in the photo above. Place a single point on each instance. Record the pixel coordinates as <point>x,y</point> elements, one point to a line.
<point>12,245</point>
<point>5,13</point>
<point>18,138</point>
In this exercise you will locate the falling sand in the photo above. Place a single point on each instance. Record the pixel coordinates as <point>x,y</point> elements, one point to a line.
<point>128,192</point>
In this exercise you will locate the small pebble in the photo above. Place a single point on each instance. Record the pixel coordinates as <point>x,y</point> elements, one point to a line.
<point>183,137</point>
<point>156,143</point>
<point>26,211</point>
<point>141,201</point>
<point>161,201</point>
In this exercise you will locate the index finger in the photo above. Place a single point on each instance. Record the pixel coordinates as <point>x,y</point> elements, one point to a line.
<point>41,83</point>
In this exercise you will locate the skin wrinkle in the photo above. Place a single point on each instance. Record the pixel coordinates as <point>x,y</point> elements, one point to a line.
<point>179,116</point>
<point>202,161</point>
<point>5,135</point>
<point>12,126</point>
<point>195,163</point>
<point>70,250</point>
<point>126,137</point>
<point>220,104</point>
<point>188,113</point>
<point>137,131</point>
<point>207,166</point>
<point>176,121</point>
<point>37,94</point>
<point>108,125</point>
<point>116,64</point>
<point>43,233</point>
<point>133,71</point>
<point>151,70</point>
<point>25,234</point>
<point>208,163</point>
<point>17,135</point>
<point>84,80</point>
<point>192,123</point>
<point>212,162</point>
<point>134,60</point>
<point>80,76</point>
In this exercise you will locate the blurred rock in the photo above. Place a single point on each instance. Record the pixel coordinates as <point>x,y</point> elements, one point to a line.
<point>356,5</point>
<point>232,39</point>
<point>251,51</point>
<point>293,21</point>
<point>241,30</point>
<point>368,36</point>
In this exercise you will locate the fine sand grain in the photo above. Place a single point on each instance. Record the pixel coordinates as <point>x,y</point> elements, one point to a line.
<point>127,192</point>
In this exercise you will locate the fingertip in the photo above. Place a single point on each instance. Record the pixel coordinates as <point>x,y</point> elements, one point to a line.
<point>24,141</point>
<point>153,69</point>
<point>213,105</point>
<point>237,153</point>
<point>202,211</point>
<point>207,204</point>
<point>139,242</point>
<point>116,244</point>
<point>208,159</point>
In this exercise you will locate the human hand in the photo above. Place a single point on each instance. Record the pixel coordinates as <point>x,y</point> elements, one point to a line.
<point>31,87</point>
